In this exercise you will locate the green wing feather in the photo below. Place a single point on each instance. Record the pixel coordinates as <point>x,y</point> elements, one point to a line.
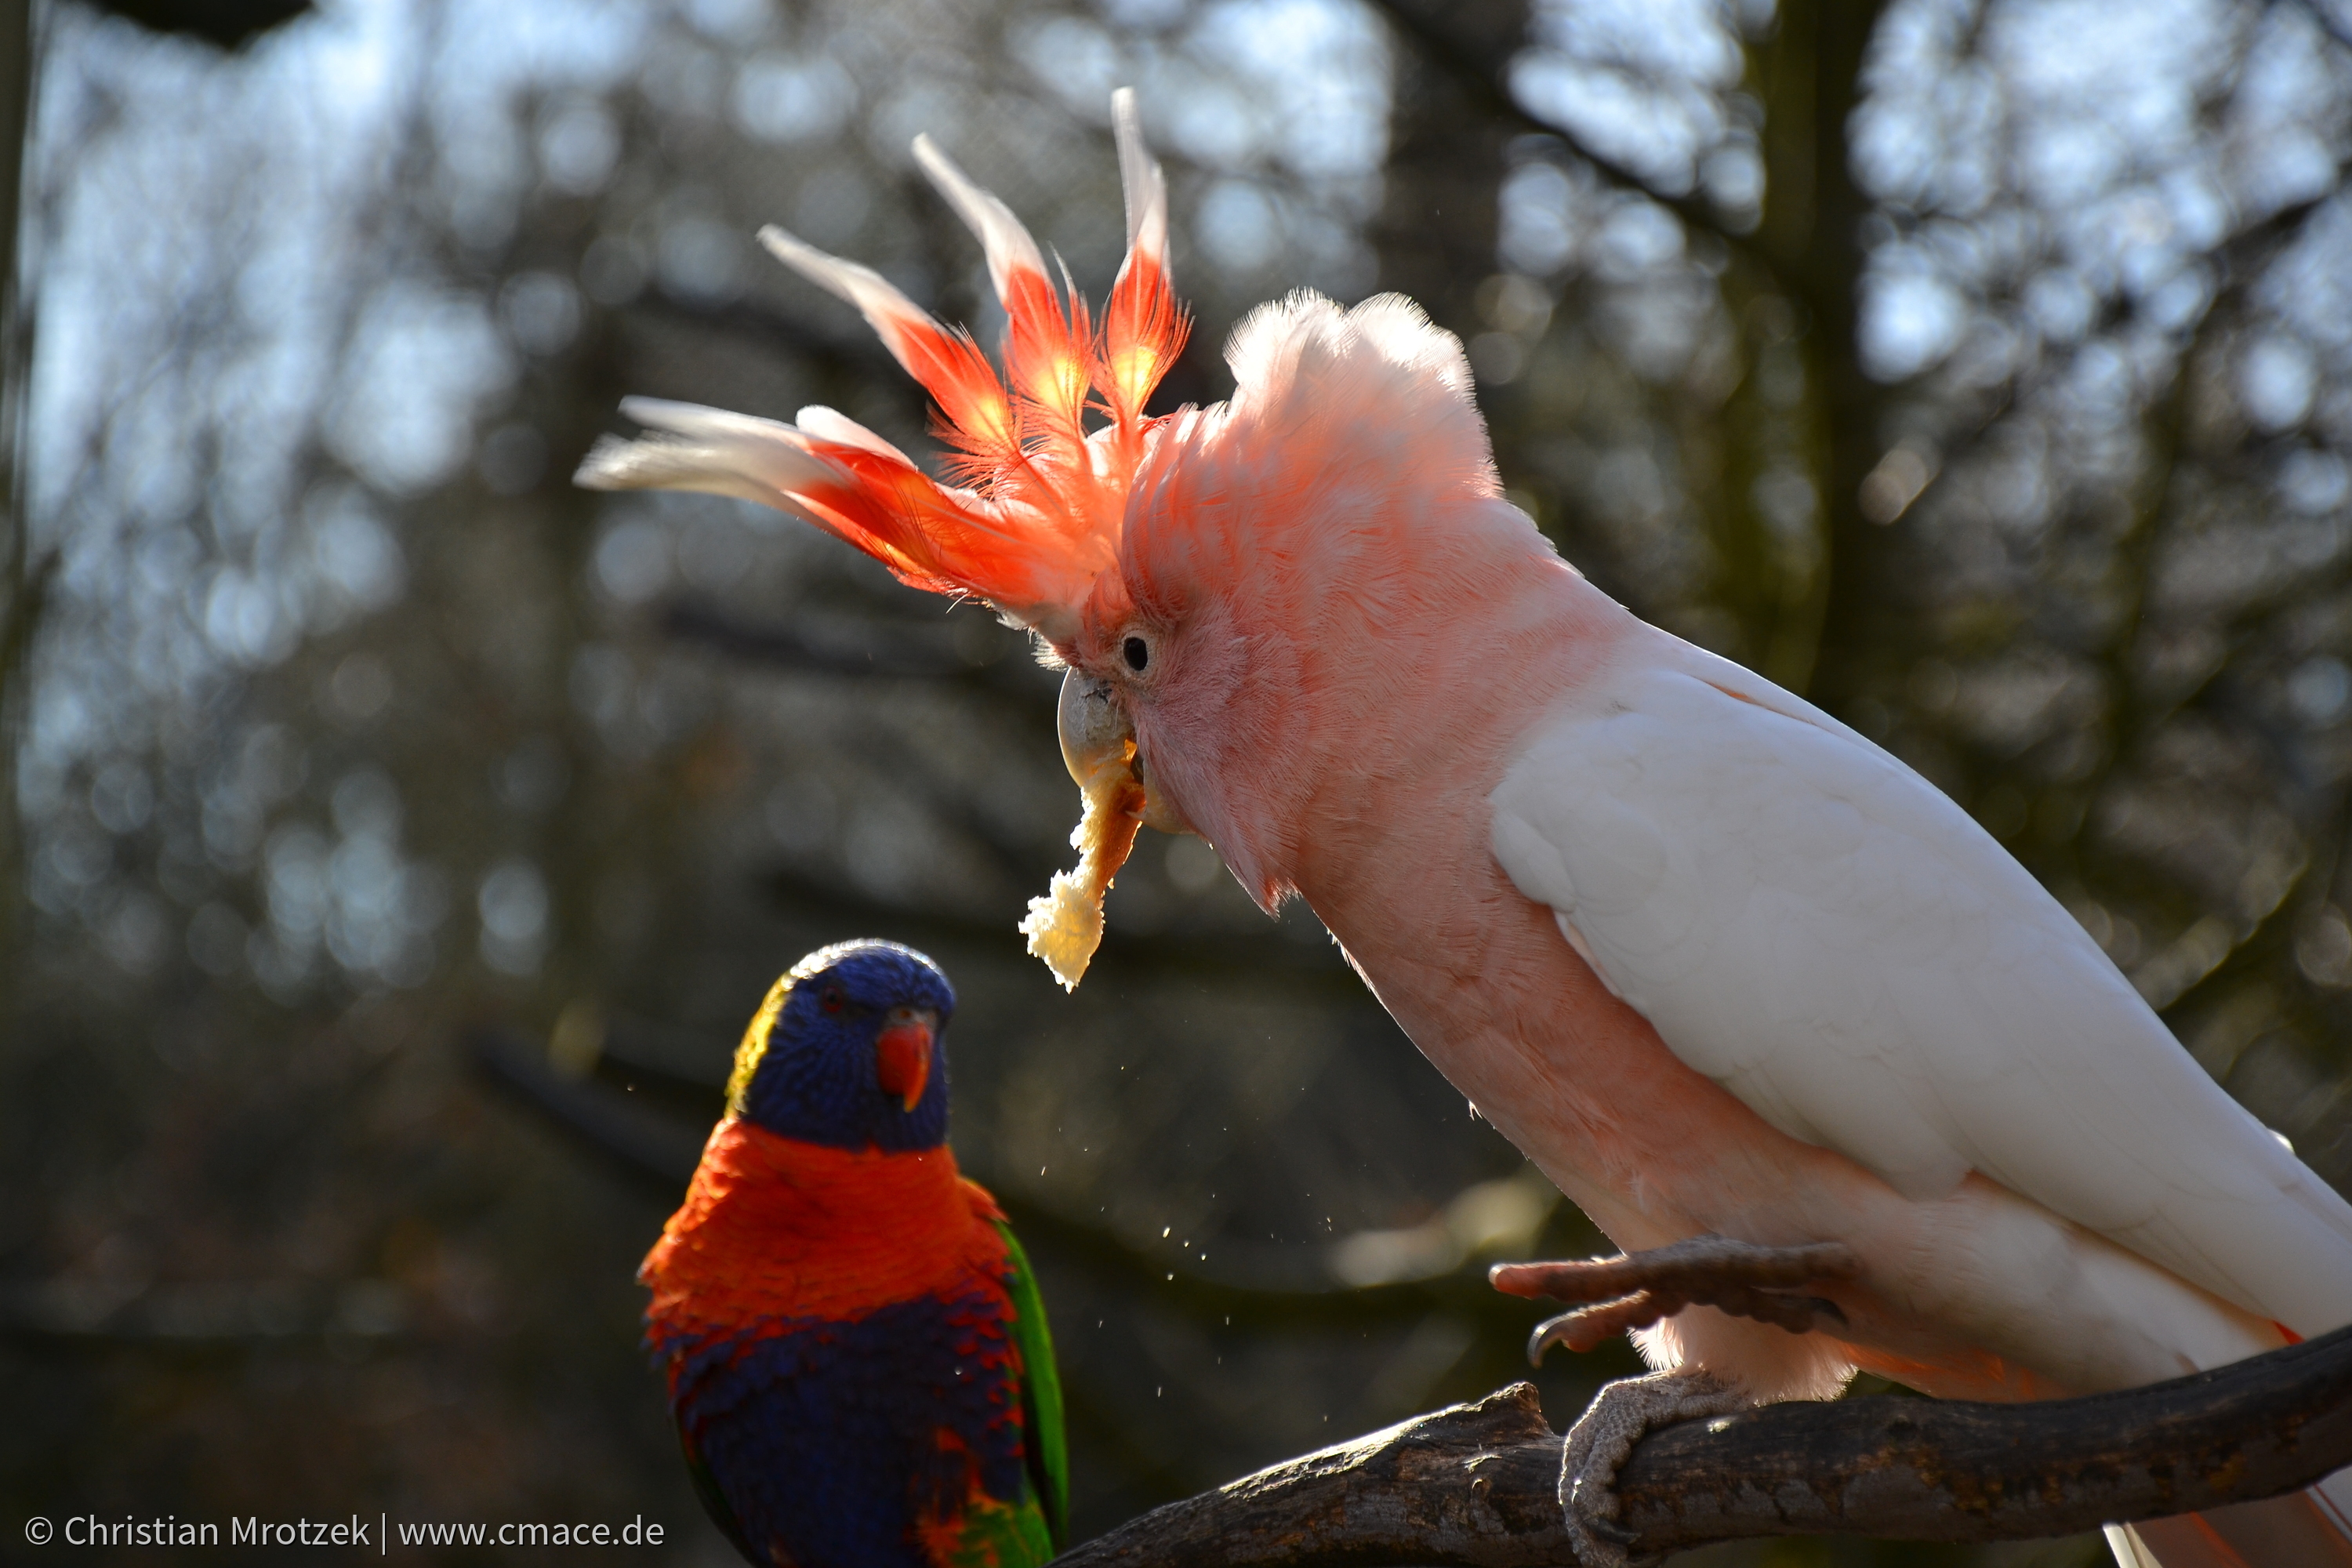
<point>1044,1440</point>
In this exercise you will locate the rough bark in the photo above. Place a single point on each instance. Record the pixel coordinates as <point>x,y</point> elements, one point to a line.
<point>1474,1485</point>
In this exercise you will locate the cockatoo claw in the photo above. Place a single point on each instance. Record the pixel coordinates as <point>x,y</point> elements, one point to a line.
<point>1638,1289</point>
<point>1620,1416</point>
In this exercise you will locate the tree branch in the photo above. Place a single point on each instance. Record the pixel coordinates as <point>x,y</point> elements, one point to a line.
<point>1483,77</point>
<point>1475,1485</point>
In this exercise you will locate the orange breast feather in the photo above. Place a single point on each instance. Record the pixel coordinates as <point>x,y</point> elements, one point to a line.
<point>776,1228</point>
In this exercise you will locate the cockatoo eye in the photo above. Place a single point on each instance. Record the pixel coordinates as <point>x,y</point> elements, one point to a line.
<point>1136,652</point>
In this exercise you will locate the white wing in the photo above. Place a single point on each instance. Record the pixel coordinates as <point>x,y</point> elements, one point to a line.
<point>1812,925</point>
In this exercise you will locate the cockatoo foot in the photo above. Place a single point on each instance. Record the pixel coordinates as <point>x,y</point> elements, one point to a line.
<point>1638,1289</point>
<point>1620,1416</point>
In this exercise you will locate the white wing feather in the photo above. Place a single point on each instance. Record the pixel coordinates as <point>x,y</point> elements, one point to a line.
<point>1812,925</point>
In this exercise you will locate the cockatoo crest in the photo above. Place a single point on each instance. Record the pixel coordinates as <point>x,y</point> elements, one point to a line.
<point>1351,440</point>
<point>1037,515</point>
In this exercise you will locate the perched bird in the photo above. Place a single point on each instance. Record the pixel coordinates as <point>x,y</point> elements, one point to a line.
<point>857,1356</point>
<point>1721,966</point>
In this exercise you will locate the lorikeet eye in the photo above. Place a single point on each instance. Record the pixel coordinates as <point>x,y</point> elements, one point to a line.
<point>831,999</point>
<point>1136,652</point>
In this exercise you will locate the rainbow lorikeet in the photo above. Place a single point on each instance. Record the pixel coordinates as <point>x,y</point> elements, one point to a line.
<point>857,1356</point>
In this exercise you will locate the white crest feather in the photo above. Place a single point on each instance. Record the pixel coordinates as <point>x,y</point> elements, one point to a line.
<point>1140,176</point>
<point>830,425</point>
<point>705,449</point>
<point>1009,249</point>
<point>877,297</point>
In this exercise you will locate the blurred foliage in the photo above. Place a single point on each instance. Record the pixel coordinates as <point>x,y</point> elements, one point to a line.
<point>400,835</point>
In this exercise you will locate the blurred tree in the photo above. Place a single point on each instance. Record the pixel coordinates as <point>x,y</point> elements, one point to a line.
<point>1979,368</point>
<point>17,582</point>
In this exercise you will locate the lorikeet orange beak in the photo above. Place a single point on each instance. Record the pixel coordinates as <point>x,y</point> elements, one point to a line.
<point>902,1055</point>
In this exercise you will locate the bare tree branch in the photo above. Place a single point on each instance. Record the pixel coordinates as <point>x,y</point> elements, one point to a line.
<point>1475,1485</point>
<point>1482,75</point>
<point>2239,261</point>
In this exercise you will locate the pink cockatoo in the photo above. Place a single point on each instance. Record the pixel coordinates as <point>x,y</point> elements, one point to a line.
<point>1796,1033</point>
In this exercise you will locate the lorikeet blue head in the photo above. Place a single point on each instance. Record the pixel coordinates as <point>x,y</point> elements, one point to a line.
<point>850,1050</point>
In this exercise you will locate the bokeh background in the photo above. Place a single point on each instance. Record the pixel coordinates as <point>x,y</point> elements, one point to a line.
<point>395,839</point>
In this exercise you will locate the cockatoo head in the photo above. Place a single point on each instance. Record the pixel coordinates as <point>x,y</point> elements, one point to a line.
<point>1198,574</point>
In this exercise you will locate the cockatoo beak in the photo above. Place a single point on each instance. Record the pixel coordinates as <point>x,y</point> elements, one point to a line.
<point>1065,926</point>
<point>902,1055</point>
<point>1098,748</point>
